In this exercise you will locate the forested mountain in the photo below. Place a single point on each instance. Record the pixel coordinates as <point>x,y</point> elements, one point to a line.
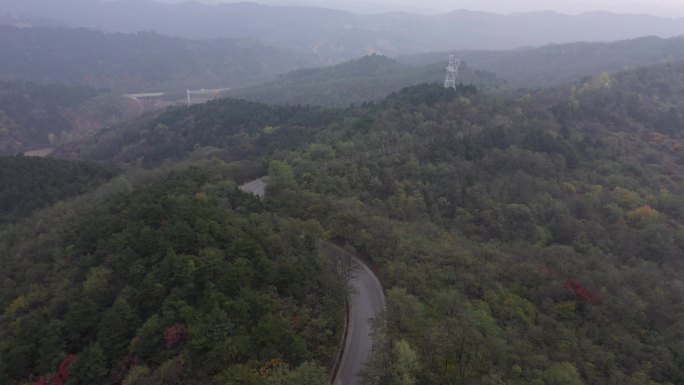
<point>230,129</point>
<point>530,239</point>
<point>140,62</point>
<point>36,116</point>
<point>564,63</point>
<point>370,78</point>
<point>30,183</point>
<point>183,280</point>
<point>512,236</point>
<point>536,240</point>
<point>337,35</point>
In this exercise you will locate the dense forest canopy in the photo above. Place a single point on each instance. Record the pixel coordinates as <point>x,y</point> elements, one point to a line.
<point>30,183</point>
<point>526,237</point>
<point>181,280</point>
<point>531,238</point>
<point>230,129</point>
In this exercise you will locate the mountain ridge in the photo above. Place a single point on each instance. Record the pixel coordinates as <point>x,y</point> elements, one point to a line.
<point>339,35</point>
<point>367,79</point>
<point>137,62</point>
<point>555,64</point>
<point>522,223</point>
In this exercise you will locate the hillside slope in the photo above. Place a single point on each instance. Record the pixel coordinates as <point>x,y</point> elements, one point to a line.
<point>35,116</point>
<point>140,62</point>
<point>227,128</point>
<point>367,79</point>
<point>532,238</point>
<point>564,63</point>
<point>180,280</point>
<point>535,238</point>
<point>29,183</point>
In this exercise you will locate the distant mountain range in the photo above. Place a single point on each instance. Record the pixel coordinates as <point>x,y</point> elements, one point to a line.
<point>374,77</point>
<point>140,62</point>
<point>149,62</point>
<point>337,35</point>
<point>370,78</point>
<point>562,63</point>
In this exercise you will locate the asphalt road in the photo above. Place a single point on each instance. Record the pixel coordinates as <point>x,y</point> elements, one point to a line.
<point>366,301</point>
<point>256,187</point>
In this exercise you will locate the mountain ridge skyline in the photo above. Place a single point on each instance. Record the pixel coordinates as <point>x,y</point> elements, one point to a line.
<point>334,36</point>
<point>669,9</point>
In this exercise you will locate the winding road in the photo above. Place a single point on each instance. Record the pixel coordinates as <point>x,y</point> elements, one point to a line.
<point>365,301</point>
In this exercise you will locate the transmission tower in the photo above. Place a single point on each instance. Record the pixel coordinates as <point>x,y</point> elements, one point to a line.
<point>452,72</point>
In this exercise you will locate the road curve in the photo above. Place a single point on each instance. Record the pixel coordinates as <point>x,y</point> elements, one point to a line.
<point>367,299</point>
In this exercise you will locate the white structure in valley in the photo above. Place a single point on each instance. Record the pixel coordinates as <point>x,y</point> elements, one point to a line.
<point>452,72</point>
<point>212,93</point>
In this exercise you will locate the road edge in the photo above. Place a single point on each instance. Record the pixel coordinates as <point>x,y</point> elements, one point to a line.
<point>343,344</point>
<point>364,265</point>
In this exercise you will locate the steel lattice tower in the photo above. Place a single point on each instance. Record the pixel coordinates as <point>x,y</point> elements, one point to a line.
<point>452,72</point>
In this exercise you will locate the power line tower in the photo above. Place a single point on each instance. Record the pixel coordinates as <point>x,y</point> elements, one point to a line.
<point>452,72</point>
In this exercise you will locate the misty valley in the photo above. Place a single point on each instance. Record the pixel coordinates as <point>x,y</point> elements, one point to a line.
<point>341,193</point>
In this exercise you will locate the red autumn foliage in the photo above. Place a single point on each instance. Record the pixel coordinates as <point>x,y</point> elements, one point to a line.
<point>582,293</point>
<point>62,374</point>
<point>121,368</point>
<point>175,335</point>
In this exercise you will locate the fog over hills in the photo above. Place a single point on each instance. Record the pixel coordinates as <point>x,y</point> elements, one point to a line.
<point>337,35</point>
<point>665,8</point>
<point>137,62</point>
<point>562,63</point>
<point>370,78</point>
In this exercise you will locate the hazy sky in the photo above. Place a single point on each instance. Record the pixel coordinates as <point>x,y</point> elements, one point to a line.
<point>670,8</point>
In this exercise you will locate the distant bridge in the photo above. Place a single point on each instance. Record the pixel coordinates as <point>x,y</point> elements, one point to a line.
<point>148,95</point>
<point>148,100</point>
